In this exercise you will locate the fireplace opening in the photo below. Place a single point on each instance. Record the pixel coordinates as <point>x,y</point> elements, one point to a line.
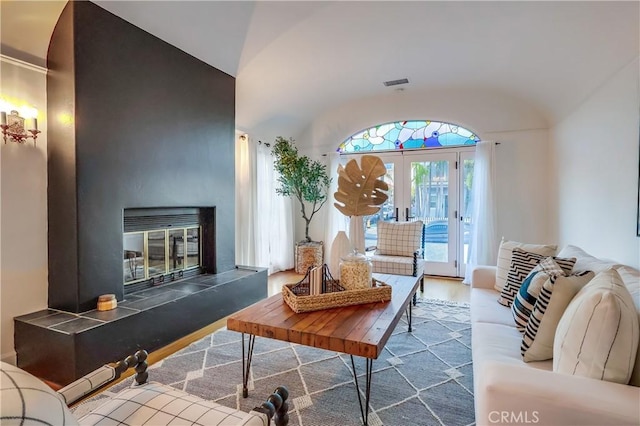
<point>152,255</point>
<point>160,245</point>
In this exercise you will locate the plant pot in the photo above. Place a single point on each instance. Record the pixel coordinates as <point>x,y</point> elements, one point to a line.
<point>308,254</point>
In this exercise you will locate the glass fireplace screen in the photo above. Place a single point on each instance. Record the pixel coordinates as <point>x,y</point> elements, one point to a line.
<point>155,254</point>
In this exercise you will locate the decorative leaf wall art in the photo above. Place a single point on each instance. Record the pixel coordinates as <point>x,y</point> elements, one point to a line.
<point>360,192</point>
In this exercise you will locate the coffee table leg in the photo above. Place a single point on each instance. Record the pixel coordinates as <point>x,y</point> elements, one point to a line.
<point>364,411</point>
<point>408,311</point>
<point>246,365</point>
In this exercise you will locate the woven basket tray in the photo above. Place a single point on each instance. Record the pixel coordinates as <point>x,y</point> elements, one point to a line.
<point>379,292</point>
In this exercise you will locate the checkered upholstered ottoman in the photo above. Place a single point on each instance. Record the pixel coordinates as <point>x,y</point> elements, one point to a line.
<point>156,404</point>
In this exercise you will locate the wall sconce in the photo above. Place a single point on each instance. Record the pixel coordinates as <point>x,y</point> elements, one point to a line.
<point>18,129</point>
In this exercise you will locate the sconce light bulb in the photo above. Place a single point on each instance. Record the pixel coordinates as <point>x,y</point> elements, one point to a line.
<point>5,106</point>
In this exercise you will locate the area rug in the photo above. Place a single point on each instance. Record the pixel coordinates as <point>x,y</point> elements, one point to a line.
<point>421,378</point>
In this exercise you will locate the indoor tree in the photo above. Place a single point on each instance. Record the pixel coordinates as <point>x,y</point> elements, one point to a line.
<point>299,176</point>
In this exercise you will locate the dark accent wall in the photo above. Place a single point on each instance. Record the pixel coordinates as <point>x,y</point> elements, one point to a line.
<point>147,126</point>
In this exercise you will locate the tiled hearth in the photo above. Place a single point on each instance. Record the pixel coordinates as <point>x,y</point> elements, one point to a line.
<point>47,340</point>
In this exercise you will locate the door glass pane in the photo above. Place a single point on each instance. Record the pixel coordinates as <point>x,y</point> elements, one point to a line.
<point>176,249</point>
<point>386,212</point>
<point>467,176</point>
<point>430,203</point>
<point>156,253</point>
<point>193,247</point>
<point>133,246</point>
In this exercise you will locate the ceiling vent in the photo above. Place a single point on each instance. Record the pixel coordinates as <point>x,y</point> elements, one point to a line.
<point>396,82</point>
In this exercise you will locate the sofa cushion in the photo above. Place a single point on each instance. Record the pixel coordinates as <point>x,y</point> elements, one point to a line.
<point>598,334</point>
<point>504,257</point>
<point>25,399</point>
<point>528,294</point>
<point>399,238</point>
<point>156,404</point>
<point>555,295</point>
<point>485,309</point>
<point>522,263</point>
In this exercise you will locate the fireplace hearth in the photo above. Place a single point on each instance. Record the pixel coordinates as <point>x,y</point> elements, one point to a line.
<point>62,346</point>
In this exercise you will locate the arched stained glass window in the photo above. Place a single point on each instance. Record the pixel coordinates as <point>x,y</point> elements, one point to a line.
<point>408,135</point>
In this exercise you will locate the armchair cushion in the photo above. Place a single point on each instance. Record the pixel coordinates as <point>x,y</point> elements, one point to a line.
<point>25,399</point>
<point>397,265</point>
<point>399,238</point>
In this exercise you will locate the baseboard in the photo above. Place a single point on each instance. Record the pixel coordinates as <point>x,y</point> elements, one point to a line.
<point>9,357</point>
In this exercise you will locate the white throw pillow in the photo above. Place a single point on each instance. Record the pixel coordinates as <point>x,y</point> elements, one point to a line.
<point>586,262</point>
<point>555,295</point>
<point>25,399</point>
<point>399,238</point>
<point>504,257</point>
<point>598,334</point>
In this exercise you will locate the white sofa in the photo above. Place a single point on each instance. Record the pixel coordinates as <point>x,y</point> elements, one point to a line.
<point>510,391</point>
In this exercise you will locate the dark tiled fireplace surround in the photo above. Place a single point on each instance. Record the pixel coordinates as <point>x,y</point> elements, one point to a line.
<point>153,127</point>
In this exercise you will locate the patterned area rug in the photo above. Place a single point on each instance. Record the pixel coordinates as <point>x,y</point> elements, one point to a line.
<point>421,378</point>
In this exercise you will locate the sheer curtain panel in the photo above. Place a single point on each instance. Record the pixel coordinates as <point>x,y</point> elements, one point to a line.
<point>484,237</point>
<point>264,228</point>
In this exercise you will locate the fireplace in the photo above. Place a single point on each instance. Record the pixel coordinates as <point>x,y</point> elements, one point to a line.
<point>161,245</point>
<point>142,172</point>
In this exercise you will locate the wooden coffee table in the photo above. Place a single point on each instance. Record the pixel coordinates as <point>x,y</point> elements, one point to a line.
<point>358,330</point>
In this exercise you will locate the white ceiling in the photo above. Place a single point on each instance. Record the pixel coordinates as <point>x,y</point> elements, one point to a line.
<point>295,60</point>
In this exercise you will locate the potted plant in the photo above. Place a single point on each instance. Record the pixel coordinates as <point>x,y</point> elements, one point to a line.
<point>306,180</point>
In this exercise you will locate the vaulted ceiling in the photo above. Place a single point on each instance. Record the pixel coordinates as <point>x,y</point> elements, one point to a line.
<point>294,60</point>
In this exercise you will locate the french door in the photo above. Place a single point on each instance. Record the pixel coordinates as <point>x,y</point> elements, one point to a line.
<point>434,187</point>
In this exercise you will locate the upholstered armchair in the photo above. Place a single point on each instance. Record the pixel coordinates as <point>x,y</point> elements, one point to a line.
<point>400,250</point>
<point>25,399</point>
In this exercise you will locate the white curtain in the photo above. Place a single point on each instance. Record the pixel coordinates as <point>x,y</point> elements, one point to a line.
<point>264,228</point>
<point>245,200</point>
<point>483,243</point>
<point>335,221</point>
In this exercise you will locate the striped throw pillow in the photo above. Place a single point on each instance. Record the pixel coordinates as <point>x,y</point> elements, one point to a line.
<point>530,289</point>
<point>522,262</point>
<point>555,295</point>
<point>504,257</point>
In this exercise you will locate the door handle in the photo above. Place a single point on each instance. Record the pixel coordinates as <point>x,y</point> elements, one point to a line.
<point>406,214</point>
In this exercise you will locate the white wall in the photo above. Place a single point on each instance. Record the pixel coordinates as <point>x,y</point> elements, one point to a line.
<point>595,167</point>
<point>521,128</point>
<point>23,208</point>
